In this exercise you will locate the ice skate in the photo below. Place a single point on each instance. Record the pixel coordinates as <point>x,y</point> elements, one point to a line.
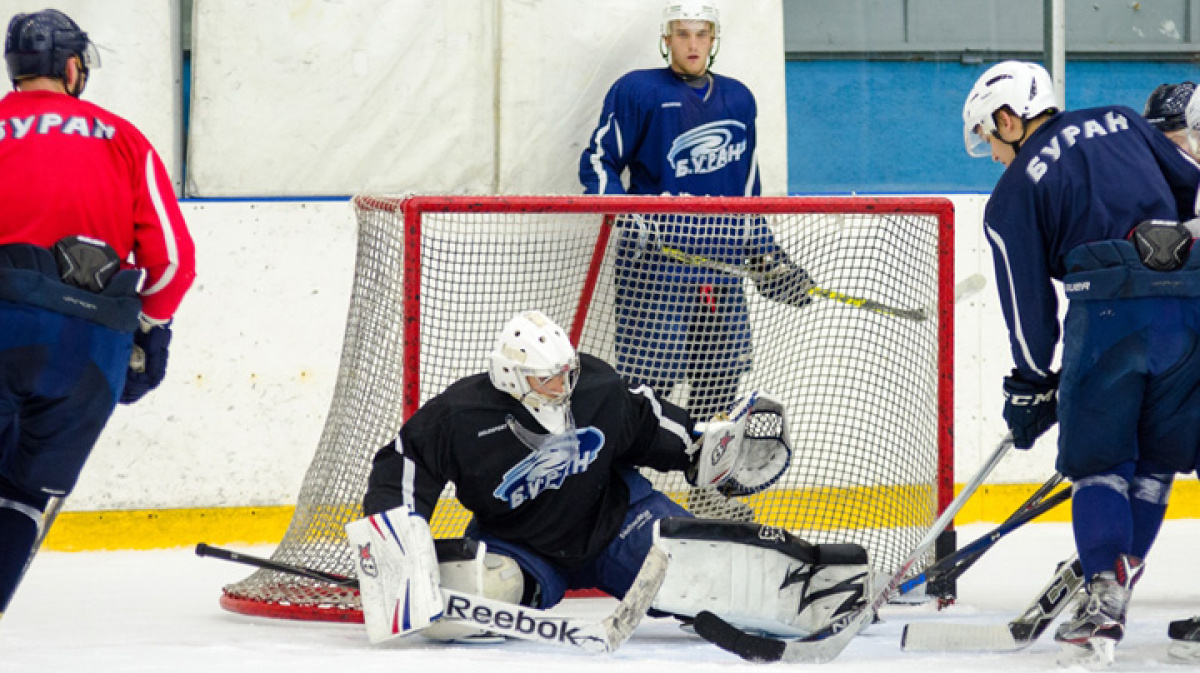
<point>1090,636</point>
<point>1185,640</point>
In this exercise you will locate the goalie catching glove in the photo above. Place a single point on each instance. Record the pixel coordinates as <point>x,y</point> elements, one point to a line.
<point>744,451</point>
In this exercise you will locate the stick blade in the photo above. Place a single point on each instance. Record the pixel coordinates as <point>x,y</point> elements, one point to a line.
<point>935,637</point>
<point>732,639</point>
<point>619,626</point>
<point>817,649</point>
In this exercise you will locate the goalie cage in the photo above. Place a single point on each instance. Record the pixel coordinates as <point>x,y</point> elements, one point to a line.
<point>868,395</point>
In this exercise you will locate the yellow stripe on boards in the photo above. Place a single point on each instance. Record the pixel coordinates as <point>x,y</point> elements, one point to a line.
<point>168,528</point>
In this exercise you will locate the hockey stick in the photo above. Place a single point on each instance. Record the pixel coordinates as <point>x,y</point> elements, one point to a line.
<point>758,276</point>
<point>510,619</point>
<point>826,644</point>
<point>939,575</point>
<point>53,507</point>
<point>1015,635</point>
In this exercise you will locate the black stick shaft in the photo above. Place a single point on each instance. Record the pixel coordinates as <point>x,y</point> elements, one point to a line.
<point>278,566</point>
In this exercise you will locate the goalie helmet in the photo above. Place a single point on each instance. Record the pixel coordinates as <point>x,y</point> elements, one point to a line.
<point>1166,107</point>
<point>1192,118</point>
<point>691,10</point>
<point>41,43</point>
<point>532,345</point>
<point>1025,88</point>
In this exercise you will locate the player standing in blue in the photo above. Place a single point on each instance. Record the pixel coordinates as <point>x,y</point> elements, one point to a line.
<point>1093,198</point>
<point>684,130</point>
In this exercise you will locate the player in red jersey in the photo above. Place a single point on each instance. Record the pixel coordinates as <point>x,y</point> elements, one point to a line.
<point>94,260</point>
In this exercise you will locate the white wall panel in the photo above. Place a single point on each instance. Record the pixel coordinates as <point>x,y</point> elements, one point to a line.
<point>140,64</point>
<point>294,97</point>
<point>252,365</point>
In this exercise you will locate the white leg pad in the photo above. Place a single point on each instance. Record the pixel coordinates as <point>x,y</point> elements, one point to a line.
<point>397,573</point>
<point>489,575</point>
<point>757,587</point>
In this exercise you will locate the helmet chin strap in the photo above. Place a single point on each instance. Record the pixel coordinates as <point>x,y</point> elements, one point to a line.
<point>1015,144</point>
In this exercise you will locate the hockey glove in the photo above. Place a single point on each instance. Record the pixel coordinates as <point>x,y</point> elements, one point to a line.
<point>781,280</point>
<point>1029,408</point>
<point>148,362</point>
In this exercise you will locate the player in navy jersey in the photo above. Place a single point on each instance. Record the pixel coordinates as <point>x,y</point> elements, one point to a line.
<point>86,208</point>
<point>684,130</point>
<point>1093,198</point>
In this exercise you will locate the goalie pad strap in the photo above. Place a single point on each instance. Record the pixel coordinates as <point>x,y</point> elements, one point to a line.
<point>739,532</point>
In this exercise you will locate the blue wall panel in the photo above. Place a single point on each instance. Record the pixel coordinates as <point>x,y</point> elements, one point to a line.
<point>896,127</point>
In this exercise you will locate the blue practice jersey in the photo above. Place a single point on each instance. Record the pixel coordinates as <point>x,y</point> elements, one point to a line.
<point>672,139</point>
<point>1083,176</point>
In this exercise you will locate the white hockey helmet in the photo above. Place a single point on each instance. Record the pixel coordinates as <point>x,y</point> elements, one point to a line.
<point>1023,87</point>
<point>1192,115</point>
<point>531,344</point>
<point>691,10</point>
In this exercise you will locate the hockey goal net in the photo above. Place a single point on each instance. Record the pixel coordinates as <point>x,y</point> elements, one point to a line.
<point>864,369</point>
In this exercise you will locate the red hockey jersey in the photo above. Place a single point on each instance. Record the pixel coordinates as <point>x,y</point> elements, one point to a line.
<point>70,167</point>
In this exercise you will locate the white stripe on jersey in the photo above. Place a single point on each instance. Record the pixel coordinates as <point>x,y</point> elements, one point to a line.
<point>753,172</point>
<point>167,228</point>
<point>1018,333</point>
<point>410,470</point>
<point>665,423</point>
<point>597,167</point>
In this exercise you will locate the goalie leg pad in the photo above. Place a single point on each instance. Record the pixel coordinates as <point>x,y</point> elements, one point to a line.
<point>397,573</point>
<point>483,574</point>
<point>759,578</point>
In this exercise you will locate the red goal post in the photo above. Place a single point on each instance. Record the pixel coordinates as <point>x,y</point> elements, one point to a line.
<point>864,370</point>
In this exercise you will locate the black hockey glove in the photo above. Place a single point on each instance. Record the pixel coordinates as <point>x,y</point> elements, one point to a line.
<point>782,281</point>
<point>1029,408</point>
<point>148,364</point>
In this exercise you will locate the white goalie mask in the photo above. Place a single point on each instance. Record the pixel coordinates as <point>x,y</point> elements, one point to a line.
<point>1192,115</point>
<point>532,345</point>
<point>1025,88</point>
<point>691,10</point>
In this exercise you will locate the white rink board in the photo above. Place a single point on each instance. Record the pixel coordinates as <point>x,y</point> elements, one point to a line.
<point>258,341</point>
<point>344,97</point>
<point>139,77</point>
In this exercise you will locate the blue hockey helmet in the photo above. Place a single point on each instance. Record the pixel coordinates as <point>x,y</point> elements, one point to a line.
<point>1167,106</point>
<point>40,44</point>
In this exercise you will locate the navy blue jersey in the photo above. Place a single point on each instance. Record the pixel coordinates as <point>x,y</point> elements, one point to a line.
<point>672,139</point>
<point>1083,176</point>
<point>561,496</point>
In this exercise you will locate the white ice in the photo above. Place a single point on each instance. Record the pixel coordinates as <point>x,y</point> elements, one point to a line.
<point>158,611</point>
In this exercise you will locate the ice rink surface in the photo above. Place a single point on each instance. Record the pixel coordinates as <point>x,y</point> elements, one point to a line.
<point>158,611</point>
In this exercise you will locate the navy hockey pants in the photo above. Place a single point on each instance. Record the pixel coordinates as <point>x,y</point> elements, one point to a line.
<point>1130,386</point>
<point>64,353</point>
<point>615,569</point>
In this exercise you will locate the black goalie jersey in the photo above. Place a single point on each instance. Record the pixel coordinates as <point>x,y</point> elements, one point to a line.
<point>562,495</point>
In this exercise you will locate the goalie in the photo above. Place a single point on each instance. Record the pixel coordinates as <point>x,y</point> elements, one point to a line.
<point>543,451</point>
